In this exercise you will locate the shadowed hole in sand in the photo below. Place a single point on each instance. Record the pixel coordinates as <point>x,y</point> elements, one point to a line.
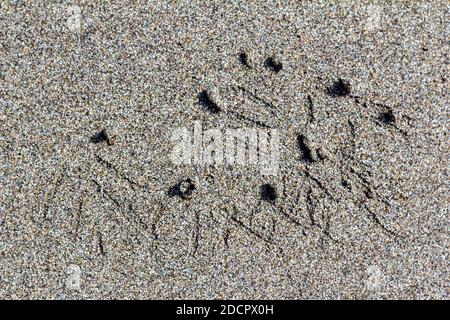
<point>305,151</point>
<point>340,88</point>
<point>345,184</point>
<point>273,65</point>
<point>183,189</point>
<point>387,117</point>
<point>100,137</point>
<point>243,59</point>
<point>206,102</point>
<point>268,193</point>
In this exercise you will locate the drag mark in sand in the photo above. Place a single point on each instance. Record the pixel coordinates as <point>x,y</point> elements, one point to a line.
<point>311,109</point>
<point>110,166</point>
<point>251,231</point>
<point>255,97</point>
<point>79,216</point>
<point>127,212</point>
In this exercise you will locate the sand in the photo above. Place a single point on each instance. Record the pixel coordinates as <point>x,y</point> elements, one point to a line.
<point>92,205</point>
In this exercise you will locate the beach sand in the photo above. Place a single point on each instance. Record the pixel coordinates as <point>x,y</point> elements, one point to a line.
<point>92,205</point>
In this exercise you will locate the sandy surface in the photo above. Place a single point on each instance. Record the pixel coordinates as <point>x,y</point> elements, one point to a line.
<point>357,209</point>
